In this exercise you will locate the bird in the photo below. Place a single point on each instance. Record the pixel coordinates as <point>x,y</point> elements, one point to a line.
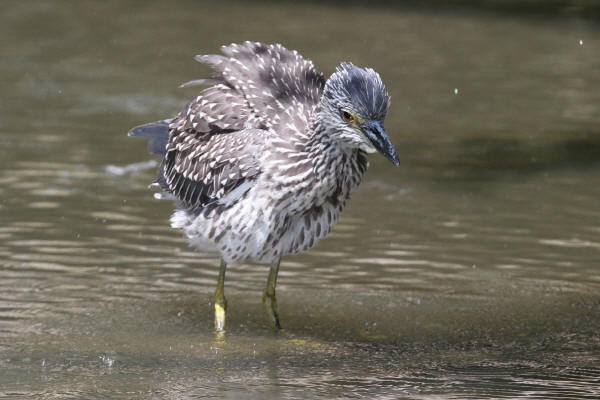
<point>261,163</point>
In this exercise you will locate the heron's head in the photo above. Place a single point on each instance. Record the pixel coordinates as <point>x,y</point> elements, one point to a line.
<point>353,107</point>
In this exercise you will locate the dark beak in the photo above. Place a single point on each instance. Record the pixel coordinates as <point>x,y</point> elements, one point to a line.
<point>375,132</point>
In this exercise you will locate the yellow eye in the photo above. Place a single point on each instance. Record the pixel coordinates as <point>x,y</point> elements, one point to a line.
<point>347,116</point>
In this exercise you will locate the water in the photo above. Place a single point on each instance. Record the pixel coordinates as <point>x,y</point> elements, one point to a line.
<point>470,271</point>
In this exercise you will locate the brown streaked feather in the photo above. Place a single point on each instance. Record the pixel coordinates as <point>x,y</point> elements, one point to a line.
<point>209,167</point>
<point>212,147</point>
<point>272,79</point>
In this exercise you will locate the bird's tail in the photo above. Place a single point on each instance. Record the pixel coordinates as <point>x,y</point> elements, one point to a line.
<point>158,132</point>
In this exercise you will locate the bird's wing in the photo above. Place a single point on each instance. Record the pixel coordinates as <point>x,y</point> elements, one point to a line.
<point>210,153</point>
<point>279,86</point>
<point>214,142</point>
<point>201,169</point>
<point>217,109</point>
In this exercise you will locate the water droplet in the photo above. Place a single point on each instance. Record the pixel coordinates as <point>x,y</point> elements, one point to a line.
<point>109,362</point>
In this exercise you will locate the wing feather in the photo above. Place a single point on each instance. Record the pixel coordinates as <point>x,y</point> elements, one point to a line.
<point>271,78</point>
<point>207,168</point>
<point>214,142</point>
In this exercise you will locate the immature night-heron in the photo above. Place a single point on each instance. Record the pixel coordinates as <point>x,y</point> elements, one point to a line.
<point>262,162</point>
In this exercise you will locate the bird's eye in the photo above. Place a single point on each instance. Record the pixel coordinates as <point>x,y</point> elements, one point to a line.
<point>347,116</point>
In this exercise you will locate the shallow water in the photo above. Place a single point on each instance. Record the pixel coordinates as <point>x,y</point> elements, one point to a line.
<point>470,271</point>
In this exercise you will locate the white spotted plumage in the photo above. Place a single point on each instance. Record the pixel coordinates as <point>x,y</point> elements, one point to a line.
<point>260,162</point>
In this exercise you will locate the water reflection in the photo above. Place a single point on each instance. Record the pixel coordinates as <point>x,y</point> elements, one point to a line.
<point>68,275</point>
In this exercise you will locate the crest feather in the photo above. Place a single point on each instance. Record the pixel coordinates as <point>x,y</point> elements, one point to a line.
<point>359,88</point>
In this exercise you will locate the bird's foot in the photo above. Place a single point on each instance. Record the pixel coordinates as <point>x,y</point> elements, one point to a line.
<point>220,312</point>
<point>270,303</point>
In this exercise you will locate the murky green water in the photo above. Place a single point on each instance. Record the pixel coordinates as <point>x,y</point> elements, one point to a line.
<point>470,271</point>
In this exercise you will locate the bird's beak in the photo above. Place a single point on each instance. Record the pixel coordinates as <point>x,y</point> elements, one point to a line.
<point>376,134</point>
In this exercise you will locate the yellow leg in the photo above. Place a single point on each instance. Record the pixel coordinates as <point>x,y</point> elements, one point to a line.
<point>269,300</point>
<point>220,301</point>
